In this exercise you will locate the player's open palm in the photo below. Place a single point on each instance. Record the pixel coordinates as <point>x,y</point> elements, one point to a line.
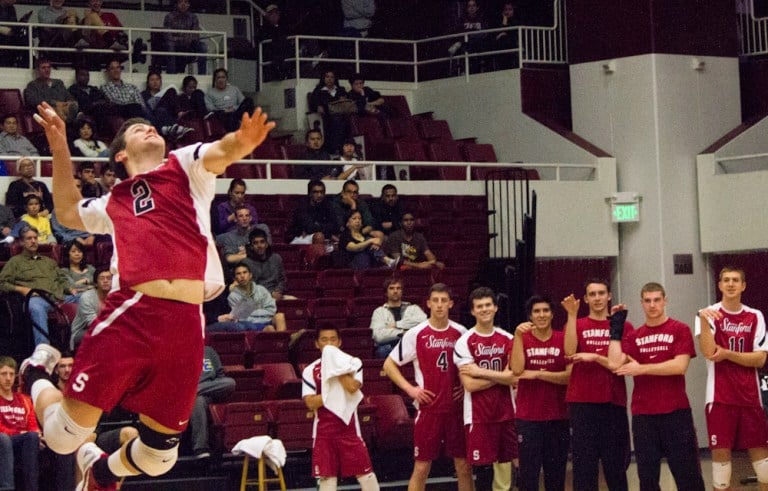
<point>254,128</point>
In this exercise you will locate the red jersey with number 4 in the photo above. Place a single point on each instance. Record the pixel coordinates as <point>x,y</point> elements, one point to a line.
<point>431,351</point>
<point>590,381</point>
<point>659,394</point>
<point>743,332</point>
<point>494,404</point>
<point>160,223</point>
<point>538,400</point>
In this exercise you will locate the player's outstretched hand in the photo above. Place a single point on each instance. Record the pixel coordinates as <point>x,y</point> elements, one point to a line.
<point>54,126</point>
<point>254,128</point>
<point>571,304</point>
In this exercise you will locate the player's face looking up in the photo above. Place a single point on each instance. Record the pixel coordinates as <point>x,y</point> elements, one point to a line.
<point>439,304</point>
<point>541,315</point>
<point>731,284</point>
<point>484,310</point>
<point>327,337</point>
<point>597,297</point>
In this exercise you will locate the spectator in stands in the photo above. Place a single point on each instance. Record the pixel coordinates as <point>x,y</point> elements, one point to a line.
<point>279,48</point>
<point>79,273</point>
<point>359,250</point>
<point>472,20</point>
<point>12,142</point>
<point>161,105</point>
<point>411,247</point>
<point>387,211</point>
<point>12,35</point>
<point>19,431</point>
<point>191,100</point>
<point>103,38</point>
<point>108,178</point>
<point>87,145</point>
<point>55,13</point>
<point>314,221</point>
<point>183,20</point>
<point>226,101</point>
<point>91,302</point>
<point>214,386</point>
<point>63,370</point>
<point>124,97</point>
<point>352,169</point>
<point>235,242</point>
<point>65,234</point>
<point>358,15</point>
<point>226,219</point>
<point>368,100</point>
<point>89,186</point>
<point>313,140</point>
<point>390,321</point>
<point>348,201</point>
<point>252,307</point>
<point>330,100</point>
<point>7,221</point>
<point>265,265</point>
<point>33,205</point>
<point>508,18</point>
<point>29,270</point>
<point>26,185</point>
<point>50,90</point>
<point>91,101</point>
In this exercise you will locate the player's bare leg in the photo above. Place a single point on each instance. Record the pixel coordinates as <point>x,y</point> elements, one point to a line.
<point>759,458</point>
<point>464,474</point>
<point>418,481</point>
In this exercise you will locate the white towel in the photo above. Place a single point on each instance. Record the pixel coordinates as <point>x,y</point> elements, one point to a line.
<point>271,449</point>
<point>336,399</point>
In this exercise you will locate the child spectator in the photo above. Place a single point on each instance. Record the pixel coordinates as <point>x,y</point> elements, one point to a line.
<point>34,217</point>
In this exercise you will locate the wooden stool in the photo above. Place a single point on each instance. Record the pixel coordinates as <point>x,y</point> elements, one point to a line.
<point>261,480</point>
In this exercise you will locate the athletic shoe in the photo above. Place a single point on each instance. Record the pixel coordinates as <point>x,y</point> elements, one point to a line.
<point>44,357</point>
<point>87,455</point>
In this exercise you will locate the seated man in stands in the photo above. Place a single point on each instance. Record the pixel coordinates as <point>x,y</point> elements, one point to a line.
<point>313,140</point>
<point>63,369</point>
<point>29,270</point>
<point>236,240</point>
<point>108,178</point>
<point>12,35</point>
<point>161,105</point>
<point>59,37</point>
<point>91,101</point>
<point>225,211</point>
<point>12,142</point>
<point>50,90</point>
<point>214,386</point>
<point>353,169</point>
<point>266,266</point>
<point>314,221</point>
<point>387,210</point>
<point>89,186</point>
<point>227,101</point>
<point>91,302</point>
<point>252,307</point>
<point>125,98</point>
<point>19,432</point>
<point>368,100</point>
<point>103,38</point>
<point>348,201</point>
<point>183,20</point>
<point>390,321</point>
<point>26,185</point>
<point>411,246</point>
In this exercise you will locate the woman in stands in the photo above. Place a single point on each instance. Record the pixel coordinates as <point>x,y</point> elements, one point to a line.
<point>87,144</point>
<point>326,99</point>
<point>226,101</point>
<point>191,101</point>
<point>79,273</point>
<point>359,251</point>
<point>225,212</point>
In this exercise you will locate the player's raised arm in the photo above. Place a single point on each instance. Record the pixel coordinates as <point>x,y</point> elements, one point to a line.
<point>65,192</point>
<point>236,145</point>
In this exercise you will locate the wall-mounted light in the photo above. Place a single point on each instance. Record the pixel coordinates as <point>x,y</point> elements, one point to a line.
<point>609,67</point>
<point>698,64</point>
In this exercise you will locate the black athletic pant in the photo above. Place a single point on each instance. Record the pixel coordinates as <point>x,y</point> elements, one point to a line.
<point>599,433</point>
<point>670,435</point>
<point>543,444</point>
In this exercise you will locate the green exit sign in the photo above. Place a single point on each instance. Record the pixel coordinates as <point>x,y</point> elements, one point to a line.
<point>625,212</point>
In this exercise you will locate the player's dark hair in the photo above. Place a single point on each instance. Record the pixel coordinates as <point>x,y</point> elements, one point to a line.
<point>598,281</point>
<point>482,292</point>
<point>534,299</point>
<point>439,288</point>
<point>118,145</point>
<point>326,326</point>
<point>653,287</point>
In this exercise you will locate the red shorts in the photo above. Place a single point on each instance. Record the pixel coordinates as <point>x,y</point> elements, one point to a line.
<point>491,442</point>
<point>143,353</point>
<point>340,457</point>
<point>736,427</point>
<point>433,432</point>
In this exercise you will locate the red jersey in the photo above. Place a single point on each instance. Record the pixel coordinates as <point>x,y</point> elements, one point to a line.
<point>494,404</point>
<point>538,400</point>
<point>655,394</point>
<point>431,351</point>
<point>326,423</point>
<point>591,382</point>
<point>17,415</point>
<point>744,332</point>
<point>160,223</point>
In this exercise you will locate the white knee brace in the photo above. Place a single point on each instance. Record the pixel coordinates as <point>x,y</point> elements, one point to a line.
<point>761,470</point>
<point>152,461</point>
<point>62,434</point>
<point>721,475</point>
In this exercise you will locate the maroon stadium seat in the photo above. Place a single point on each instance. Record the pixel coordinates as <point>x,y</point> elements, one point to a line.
<point>235,421</point>
<point>293,424</point>
<point>280,381</point>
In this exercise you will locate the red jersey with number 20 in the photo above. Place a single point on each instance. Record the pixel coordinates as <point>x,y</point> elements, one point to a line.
<point>743,332</point>
<point>160,223</point>
<point>491,351</point>
<point>431,351</point>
